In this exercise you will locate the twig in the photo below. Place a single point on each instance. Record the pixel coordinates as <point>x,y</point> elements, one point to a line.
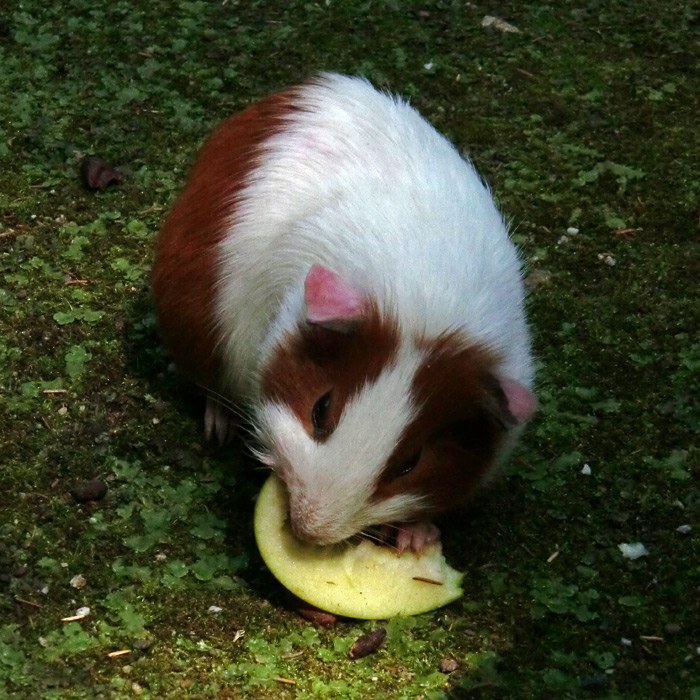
<point>286,681</point>
<point>28,602</point>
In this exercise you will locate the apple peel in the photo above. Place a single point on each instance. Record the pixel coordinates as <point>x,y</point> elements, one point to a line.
<point>364,581</point>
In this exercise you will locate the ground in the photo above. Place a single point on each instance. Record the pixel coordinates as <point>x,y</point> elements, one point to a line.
<point>583,121</point>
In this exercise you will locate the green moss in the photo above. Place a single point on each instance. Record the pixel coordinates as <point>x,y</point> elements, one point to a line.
<point>586,119</point>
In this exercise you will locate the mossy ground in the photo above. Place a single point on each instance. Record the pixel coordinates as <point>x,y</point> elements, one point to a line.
<point>586,119</point>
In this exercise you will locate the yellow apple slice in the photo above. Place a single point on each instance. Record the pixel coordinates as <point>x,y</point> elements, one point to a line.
<point>364,581</point>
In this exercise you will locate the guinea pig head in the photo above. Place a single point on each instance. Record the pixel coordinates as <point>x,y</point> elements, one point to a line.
<point>367,423</point>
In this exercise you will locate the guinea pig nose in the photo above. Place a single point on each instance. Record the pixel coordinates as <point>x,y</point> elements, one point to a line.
<point>304,532</point>
<point>308,529</point>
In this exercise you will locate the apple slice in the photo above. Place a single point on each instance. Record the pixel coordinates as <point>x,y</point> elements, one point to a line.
<point>364,581</point>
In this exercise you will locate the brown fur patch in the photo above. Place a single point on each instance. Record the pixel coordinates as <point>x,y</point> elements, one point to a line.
<point>184,271</point>
<point>457,430</point>
<point>319,360</point>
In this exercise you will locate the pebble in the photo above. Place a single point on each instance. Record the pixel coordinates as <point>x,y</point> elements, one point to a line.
<point>633,551</point>
<point>78,581</point>
<point>672,628</point>
<point>448,665</point>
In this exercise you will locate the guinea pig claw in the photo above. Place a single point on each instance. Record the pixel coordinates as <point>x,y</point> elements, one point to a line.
<point>416,536</point>
<point>218,422</point>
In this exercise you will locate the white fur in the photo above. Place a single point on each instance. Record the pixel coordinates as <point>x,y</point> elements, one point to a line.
<point>359,182</point>
<point>330,483</point>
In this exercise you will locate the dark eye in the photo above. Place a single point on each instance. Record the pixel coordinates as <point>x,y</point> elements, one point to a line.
<point>407,466</point>
<point>320,416</point>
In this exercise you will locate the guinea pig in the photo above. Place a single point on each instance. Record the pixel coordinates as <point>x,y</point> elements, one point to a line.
<point>336,269</point>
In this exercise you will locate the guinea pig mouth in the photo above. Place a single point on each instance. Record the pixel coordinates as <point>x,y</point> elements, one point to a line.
<point>312,537</point>
<point>308,527</point>
<point>333,524</point>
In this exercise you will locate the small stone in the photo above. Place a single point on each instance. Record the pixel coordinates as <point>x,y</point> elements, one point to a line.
<point>499,24</point>
<point>586,471</point>
<point>87,491</point>
<point>78,581</point>
<point>633,551</point>
<point>672,628</point>
<point>448,665</point>
<point>684,529</point>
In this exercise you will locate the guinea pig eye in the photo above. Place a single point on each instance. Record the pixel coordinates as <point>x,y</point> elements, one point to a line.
<point>407,466</point>
<point>320,415</point>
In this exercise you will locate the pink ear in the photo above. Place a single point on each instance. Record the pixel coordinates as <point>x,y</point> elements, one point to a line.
<point>521,401</point>
<point>329,298</point>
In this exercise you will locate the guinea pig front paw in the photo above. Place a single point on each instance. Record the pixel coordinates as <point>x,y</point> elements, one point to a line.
<point>218,422</point>
<point>416,536</point>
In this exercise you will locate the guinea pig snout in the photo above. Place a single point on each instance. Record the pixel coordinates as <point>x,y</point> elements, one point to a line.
<point>310,524</point>
<point>306,531</point>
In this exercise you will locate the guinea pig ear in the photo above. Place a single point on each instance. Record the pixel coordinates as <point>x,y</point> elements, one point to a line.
<point>509,402</point>
<point>331,301</point>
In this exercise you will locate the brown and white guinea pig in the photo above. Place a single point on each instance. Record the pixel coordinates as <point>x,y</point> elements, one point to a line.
<point>335,268</point>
